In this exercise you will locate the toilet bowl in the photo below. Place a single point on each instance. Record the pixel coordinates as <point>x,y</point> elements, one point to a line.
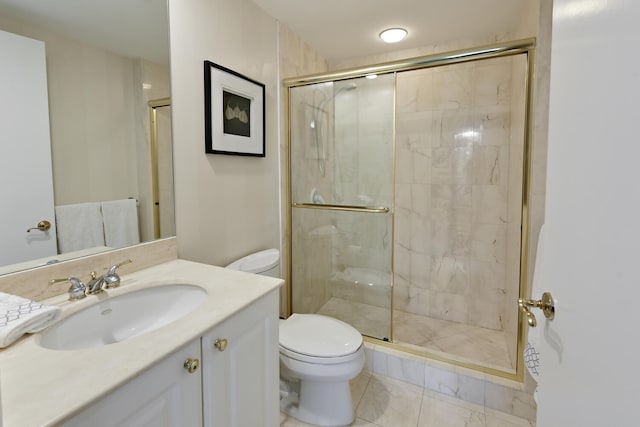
<point>323,354</point>
<point>319,355</point>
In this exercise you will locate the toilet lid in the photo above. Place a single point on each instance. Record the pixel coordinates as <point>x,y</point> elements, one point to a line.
<point>319,336</point>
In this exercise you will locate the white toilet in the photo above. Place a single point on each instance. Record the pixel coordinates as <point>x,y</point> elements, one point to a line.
<point>318,357</point>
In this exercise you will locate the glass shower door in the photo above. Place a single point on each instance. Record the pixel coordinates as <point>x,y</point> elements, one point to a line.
<point>341,151</point>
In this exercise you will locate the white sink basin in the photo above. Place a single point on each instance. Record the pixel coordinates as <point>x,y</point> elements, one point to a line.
<point>123,317</point>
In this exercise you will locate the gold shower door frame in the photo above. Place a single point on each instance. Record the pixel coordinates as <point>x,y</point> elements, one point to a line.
<point>524,46</point>
<point>155,177</point>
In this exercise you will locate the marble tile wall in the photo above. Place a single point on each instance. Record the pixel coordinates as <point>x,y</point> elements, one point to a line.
<point>364,146</point>
<point>458,177</point>
<point>450,271</point>
<point>341,146</point>
<point>362,258</point>
<point>453,157</point>
<point>364,141</point>
<point>296,58</point>
<point>490,391</point>
<point>34,283</point>
<point>311,173</point>
<point>536,22</point>
<point>311,259</point>
<point>381,401</point>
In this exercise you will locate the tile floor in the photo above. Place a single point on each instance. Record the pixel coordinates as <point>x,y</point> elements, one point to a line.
<point>468,343</point>
<point>385,402</point>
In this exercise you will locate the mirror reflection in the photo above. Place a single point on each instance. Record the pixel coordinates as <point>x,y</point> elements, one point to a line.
<point>85,125</point>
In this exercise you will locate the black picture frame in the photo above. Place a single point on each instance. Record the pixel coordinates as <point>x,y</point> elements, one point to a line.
<point>234,112</point>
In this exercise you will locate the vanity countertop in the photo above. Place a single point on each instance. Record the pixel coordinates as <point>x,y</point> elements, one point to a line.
<point>42,387</point>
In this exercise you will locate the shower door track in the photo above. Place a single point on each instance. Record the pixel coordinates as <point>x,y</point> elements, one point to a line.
<point>347,208</point>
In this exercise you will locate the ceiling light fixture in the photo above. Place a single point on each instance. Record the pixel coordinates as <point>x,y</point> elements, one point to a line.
<point>393,35</point>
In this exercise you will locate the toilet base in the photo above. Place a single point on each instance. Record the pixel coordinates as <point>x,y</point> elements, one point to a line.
<point>326,404</point>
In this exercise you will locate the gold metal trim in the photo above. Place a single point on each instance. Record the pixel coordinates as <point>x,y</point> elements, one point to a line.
<point>155,184</point>
<point>348,208</point>
<point>438,358</point>
<point>523,46</point>
<point>439,59</point>
<point>393,202</point>
<point>525,213</point>
<point>288,211</point>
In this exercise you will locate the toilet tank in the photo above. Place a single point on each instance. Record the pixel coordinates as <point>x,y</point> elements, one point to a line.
<point>266,263</point>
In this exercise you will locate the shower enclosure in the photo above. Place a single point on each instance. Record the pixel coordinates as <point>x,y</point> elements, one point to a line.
<point>409,214</point>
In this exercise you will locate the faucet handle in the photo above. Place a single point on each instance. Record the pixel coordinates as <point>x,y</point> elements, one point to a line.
<point>76,290</point>
<point>113,268</point>
<point>111,279</point>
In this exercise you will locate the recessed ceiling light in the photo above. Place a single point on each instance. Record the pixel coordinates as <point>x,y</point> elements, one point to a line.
<point>371,76</point>
<point>393,35</point>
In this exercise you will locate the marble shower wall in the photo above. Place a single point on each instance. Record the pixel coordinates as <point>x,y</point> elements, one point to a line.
<point>455,201</point>
<point>297,58</point>
<point>363,176</point>
<point>311,259</point>
<point>341,151</point>
<point>311,172</point>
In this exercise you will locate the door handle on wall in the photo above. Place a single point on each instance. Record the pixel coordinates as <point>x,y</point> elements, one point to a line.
<point>43,225</point>
<point>545,304</point>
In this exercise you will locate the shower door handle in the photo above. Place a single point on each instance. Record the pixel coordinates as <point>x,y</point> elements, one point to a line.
<point>350,208</point>
<point>545,304</point>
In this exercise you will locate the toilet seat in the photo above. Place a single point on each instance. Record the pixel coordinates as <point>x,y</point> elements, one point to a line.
<point>319,360</point>
<point>316,338</point>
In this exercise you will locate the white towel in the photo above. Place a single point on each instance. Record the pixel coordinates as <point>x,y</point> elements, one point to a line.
<point>19,316</point>
<point>79,226</point>
<point>120,223</point>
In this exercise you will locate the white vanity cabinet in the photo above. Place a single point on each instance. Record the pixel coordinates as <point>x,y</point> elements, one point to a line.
<point>235,383</point>
<point>240,368</point>
<point>166,395</point>
<point>142,381</point>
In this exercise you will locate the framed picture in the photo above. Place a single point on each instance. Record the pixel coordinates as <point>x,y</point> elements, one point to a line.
<point>234,112</point>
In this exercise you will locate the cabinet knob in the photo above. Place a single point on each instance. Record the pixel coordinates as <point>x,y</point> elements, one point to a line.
<point>220,344</point>
<point>191,365</point>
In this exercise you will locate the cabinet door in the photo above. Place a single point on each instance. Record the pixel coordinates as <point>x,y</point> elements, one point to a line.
<point>166,395</point>
<point>240,375</point>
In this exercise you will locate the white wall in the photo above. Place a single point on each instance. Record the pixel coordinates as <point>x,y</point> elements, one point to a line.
<point>226,206</point>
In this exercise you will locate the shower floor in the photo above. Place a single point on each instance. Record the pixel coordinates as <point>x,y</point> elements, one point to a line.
<point>465,343</point>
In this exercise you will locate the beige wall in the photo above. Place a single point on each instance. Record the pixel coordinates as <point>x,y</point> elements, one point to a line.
<point>99,120</point>
<point>226,206</point>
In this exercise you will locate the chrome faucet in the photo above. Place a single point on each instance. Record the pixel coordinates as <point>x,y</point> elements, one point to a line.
<point>77,290</point>
<point>108,280</point>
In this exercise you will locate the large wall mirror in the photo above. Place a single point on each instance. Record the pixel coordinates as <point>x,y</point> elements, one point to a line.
<point>103,93</point>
